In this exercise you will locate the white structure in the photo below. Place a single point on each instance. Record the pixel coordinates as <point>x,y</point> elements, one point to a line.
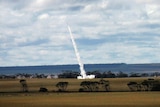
<point>81,66</point>
<point>52,76</point>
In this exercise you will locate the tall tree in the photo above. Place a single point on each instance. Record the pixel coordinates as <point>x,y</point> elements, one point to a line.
<point>105,84</point>
<point>90,85</point>
<point>24,85</point>
<point>62,86</point>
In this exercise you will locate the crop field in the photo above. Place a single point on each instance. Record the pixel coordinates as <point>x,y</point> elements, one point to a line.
<point>120,95</point>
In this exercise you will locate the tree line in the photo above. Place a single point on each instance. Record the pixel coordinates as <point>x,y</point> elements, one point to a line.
<point>146,85</point>
<point>74,74</point>
<point>107,74</point>
<point>101,85</point>
<point>86,86</point>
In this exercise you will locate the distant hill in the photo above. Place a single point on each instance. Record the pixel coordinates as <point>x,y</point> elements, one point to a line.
<point>153,67</point>
<point>55,69</point>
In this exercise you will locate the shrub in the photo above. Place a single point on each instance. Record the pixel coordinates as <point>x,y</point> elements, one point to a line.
<point>42,89</point>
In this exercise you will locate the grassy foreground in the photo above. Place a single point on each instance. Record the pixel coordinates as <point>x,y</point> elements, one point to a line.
<point>111,99</point>
<point>120,95</point>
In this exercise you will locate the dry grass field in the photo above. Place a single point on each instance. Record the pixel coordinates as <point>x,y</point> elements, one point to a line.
<point>110,99</point>
<point>11,95</point>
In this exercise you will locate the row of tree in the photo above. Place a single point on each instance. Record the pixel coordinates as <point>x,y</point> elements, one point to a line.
<point>146,85</point>
<point>72,74</point>
<point>87,86</point>
<point>108,74</point>
<point>101,85</point>
<point>94,86</point>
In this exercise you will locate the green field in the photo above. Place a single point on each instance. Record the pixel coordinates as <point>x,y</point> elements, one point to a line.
<point>120,95</point>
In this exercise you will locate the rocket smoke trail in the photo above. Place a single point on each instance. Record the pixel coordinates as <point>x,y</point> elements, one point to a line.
<point>81,66</point>
<point>83,73</point>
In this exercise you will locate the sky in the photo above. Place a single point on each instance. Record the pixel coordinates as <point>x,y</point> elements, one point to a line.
<point>34,32</point>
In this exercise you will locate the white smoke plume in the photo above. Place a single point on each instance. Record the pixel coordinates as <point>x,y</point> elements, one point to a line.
<point>83,73</point>
<point>81,66</point>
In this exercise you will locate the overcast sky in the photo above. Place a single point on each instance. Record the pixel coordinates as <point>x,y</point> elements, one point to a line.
<point>34,32</point>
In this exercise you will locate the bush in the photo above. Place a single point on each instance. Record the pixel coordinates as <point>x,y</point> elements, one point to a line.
<point>81,90</point>
<point>42,89</point>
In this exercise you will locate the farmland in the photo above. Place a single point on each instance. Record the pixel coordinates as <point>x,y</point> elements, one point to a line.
<point>120,95</point>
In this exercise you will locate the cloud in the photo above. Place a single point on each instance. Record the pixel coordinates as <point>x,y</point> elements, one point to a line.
<point>106,31</point>
<point>43,16</point>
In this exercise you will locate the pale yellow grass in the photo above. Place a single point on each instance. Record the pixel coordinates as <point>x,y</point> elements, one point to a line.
<point>10,98</point>
<point>111,99</point>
